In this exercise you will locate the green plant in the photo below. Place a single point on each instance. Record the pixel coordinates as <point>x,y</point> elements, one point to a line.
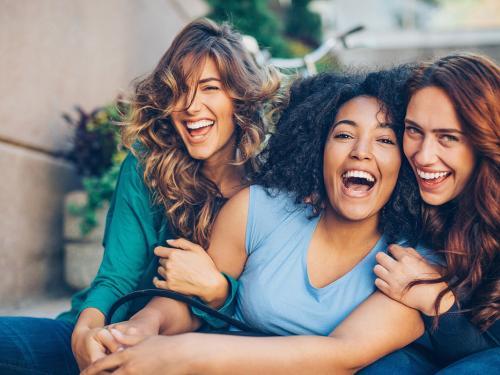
<point>97,156</point>
<point>302,24</point>
<point>252,17</point>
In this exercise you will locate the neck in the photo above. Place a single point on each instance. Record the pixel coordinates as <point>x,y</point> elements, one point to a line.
<point>347,235</point>
<point>224,174</point>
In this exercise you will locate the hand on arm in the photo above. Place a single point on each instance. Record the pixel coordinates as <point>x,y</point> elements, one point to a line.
<point>187,268</point>
<point>395,273</point>
<point>190,270</point>
<point>155,354</point>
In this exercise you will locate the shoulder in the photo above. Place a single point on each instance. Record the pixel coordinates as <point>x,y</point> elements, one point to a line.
<point>427,252</point>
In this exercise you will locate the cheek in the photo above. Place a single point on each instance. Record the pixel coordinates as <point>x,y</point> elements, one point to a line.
<point>410,146</point>
<point>390,165</point>
<point>332,158</point>
<point>464,161</point>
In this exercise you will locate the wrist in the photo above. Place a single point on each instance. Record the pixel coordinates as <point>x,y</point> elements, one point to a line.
<point>216,293</point>
<point>149,319</point>
<point>445,304</point>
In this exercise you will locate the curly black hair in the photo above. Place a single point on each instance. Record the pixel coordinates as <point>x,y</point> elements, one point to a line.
<point>294,156</point>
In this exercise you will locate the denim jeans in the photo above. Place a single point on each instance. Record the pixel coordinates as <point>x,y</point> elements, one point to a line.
<point>412,361</point>
<point>36,346</point>
<point>482,363</point>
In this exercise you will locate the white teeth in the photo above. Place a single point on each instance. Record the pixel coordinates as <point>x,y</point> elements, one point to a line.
<point>199,124</point>
<point>359,174</point>
<point>431,176</point>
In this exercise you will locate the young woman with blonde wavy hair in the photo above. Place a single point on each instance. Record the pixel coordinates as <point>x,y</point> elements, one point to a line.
<point>196,128</point>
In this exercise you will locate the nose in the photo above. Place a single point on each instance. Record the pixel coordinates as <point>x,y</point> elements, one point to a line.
<point>426,154</point>
<point>195,105</point>
<point>361,150</point>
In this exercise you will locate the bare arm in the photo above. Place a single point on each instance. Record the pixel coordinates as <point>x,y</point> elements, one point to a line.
<point>227,249</point>
<point>377,327</point>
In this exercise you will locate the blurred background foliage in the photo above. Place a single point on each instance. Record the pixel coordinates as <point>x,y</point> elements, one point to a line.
<point>285,29</point>
<point>97,156</point>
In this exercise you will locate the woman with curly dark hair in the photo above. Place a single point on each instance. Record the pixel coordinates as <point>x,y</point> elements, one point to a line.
<point>332,193</point>
<point>452,141</point>
<point>197,125</point>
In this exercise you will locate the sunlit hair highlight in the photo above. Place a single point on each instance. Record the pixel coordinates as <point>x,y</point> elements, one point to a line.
<point>191,200</point>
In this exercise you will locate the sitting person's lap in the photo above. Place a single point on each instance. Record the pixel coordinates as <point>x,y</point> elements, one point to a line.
<point>36,346</point>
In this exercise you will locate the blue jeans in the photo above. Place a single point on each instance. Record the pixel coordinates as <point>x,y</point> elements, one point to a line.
<point>36,346</point>
<point>481,363</point>
<point>411,361</point>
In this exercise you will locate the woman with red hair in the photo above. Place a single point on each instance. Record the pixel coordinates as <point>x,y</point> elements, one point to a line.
<point>452,141</point>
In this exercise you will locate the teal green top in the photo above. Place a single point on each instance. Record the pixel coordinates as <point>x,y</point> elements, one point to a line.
<point>134,227</point>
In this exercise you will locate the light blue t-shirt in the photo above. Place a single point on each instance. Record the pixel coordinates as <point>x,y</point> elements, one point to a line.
<point>275,295</point>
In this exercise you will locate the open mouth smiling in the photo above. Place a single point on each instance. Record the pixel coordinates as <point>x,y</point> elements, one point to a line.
<point>198,129</point>
<point>432,178</point>
<point>358,182</point>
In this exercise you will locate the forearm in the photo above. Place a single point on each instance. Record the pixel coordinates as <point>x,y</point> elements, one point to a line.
<point>276,355</point>
<point>167,316</point>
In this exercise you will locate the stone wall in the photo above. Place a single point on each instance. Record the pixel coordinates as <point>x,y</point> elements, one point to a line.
<point>55,54</point>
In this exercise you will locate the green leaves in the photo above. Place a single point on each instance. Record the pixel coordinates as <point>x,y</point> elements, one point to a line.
<point>97,156</point>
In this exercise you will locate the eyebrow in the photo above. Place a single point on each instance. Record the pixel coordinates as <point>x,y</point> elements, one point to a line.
<point>353,123</point>
<point>440,130</point>
<point>208,79</point>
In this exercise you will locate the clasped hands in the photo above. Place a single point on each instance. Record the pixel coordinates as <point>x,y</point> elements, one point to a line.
<point>185,268</point>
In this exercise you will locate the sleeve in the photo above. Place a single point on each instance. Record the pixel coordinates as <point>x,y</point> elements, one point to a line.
<point>455,336</point>
<point>129,238</point>
<point>266,211</point>
<point>227,308</point>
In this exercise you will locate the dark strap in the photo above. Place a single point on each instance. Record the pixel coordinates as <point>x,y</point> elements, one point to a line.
<point>178,297</point>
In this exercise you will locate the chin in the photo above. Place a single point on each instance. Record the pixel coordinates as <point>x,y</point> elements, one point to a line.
<point>355,214</point>
<point>434,200</point>
<point>200,154</point>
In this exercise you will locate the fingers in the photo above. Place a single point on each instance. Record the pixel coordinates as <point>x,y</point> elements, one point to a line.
<point>95,349</point>
<point>124,328</point>
<point>163,252</point>
<point>386,261</point>
<point>127,339</point>
<point>163,262</point>
<point>106,364</point>
<point>162,272</point>
<point>182,243</point>
<point>107,340</point>
<point>399,252</point>
<point>381,272</point>
<point>383,286</point>
<point>160,284</point>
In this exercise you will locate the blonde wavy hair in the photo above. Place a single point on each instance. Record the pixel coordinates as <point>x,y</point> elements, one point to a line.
<point>190,199</point>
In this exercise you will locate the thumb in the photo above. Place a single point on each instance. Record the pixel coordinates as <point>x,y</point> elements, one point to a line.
<point>128,340</point>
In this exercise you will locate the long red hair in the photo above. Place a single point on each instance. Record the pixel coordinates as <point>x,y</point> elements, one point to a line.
<point>469,226</point>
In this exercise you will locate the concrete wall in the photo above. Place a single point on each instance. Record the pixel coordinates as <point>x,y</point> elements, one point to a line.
<point>381,49</point>
<point>55,54</point>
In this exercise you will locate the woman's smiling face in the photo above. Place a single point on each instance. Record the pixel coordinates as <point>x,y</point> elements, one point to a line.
<point>361,160</point>
<point>440,154</point>
<point>204,117</point>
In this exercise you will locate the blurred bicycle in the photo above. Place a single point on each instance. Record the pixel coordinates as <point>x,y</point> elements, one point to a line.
<point>302,66</point>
